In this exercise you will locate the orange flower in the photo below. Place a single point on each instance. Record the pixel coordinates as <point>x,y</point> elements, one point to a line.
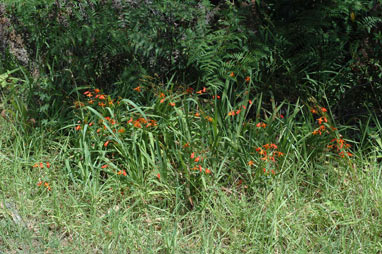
<point>208,171</point>
<point>323,109</point>
<point>158,176</point>
<point>78,127</point>
<point>197,114</point>
<point>231,113</point>
<point>247,79</point>
<point>172,104</point>
<point>263,152</point>
<point>48,165</point>
<point>41,165</point>
<point>106,143</point>
<point>35,165</point>
<point>47,186</point>
<point>152,123</point>
<point>217,97</point>
<point>121,130</point>
<point>251,163</point>
<point>192,155</point>
<point>238,111</point>
<point>96,90</point>
<point>202,91</point>
<point>138,89</point>
<point>90,124</point>
<point>104,166</point>
<point>162,95</point>
<point>86,92</point>
<point>209,119</point>
<point>232,74</point>
<point>130,120</point>
<point>91,102</point>
<point>322,119</point>
<point>250,102</point>
<point>186,145</point>
<point>101,104</point>
<point>142,120</point>
<point>122,172</point>
<point>266,146</point>
<point>162,100</point>
<point>261,125</point>
<point>39,183</point>
<point>137,124</point>
<point>101,97</point>
<point>197,159</point>
<point>313,111</point>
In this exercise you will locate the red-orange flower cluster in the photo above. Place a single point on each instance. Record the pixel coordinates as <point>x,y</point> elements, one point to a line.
<point>46,185</point>
<point>138,123</point>
<point>41,165</point>
<point>316,110</point>
<point>261,125</point>
<point>340,146</point>
<point>122,172</point>
<point>238,111</point>
<point>198,167</point>
<point>269,153</point>
<point>202,91</point>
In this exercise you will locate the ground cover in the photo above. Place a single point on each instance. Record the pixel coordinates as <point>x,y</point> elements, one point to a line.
<point>199,171</point>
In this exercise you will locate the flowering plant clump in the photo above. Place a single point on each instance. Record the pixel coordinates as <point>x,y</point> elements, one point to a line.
<point>269,155</point>
<point>339,146</point>
<point>336,145</point>
<point>197,166</point>
<point>126,140</point>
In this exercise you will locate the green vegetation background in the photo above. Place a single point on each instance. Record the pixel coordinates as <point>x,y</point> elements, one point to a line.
<point>190,126</point>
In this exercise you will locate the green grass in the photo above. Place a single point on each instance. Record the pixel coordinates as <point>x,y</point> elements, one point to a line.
<point>316,202</point>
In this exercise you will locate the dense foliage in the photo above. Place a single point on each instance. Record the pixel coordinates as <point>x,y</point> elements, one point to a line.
<point>330,50</point>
